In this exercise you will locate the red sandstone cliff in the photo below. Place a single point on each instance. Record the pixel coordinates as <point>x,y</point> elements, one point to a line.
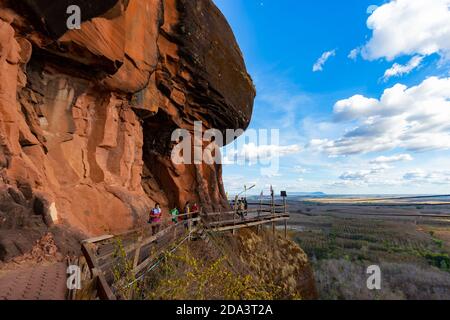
<point>86,116</point>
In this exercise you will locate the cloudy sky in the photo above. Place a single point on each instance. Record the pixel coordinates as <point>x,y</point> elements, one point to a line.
<point>360,91</point>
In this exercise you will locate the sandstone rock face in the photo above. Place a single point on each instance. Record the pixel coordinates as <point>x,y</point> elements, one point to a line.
<point>86,116</point>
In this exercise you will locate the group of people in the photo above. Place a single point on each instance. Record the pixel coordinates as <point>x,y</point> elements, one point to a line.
<point>241,207</point>
<point>189,212</point>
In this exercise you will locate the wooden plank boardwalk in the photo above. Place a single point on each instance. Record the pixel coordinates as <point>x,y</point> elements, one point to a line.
<point>144,248</point>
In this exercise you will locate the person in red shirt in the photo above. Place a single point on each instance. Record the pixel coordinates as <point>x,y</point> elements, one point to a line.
<point>195,208</point>
<point>195,212</point>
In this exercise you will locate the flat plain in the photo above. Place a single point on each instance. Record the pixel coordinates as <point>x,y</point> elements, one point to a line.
<point>408,238</point>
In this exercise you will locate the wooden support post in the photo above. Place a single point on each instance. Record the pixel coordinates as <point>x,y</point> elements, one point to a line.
<point>273,212</point>
<point>190,229</point>
<point>104,291</point>
<point>235,213</point>
<point>285,212</point>
<point>234,223</point>
<point>91,258</point>
<point>285,229</point>
<point>260,207</point>
<point>137,253</point>
<point>258,228</point>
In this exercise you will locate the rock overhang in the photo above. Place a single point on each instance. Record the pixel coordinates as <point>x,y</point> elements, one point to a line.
<point>96,107</point>
<point>220,90</point>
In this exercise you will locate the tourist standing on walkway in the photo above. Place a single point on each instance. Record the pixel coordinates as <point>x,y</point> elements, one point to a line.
<point>195,209</point>
<point>155,218</point>
<point>175,213</point>
<point>240,208</point>
<point>195,212</point>
<point>187,210</point>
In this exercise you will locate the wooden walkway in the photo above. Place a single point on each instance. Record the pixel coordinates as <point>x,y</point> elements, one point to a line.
<point>144,249</point>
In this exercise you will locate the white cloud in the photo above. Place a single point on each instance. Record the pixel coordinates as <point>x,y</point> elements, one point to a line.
<point>415,118</point>
<point>354,53</point>
<point>392,159</point>
<point>354,107</point>
<point>300,169</point>
<point>343,184</point>
<point>235,183</point>
<point>318,66</point>
<point>368,175</point>
<point>409,27</point>
<point>379,175</point>
<point>357,175</point>
<point>424,177</point>
<point>418,174</point>
<point>371,9</point>
<point>357,185</point>
<point>252,153</point>
<point>271,175</point>
<point>398,69</point>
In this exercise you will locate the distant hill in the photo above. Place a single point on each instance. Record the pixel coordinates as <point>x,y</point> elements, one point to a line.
<point>316,194</point>
<point>291,195</point>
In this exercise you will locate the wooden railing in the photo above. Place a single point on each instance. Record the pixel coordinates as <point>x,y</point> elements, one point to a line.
<point>143,248</point>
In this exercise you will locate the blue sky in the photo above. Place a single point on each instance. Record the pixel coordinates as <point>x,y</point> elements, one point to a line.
<point>337,134</point>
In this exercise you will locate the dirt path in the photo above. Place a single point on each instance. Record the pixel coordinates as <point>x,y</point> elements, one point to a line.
<point>41,282</point>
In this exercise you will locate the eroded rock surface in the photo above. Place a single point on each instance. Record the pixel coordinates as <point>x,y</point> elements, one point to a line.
<point>86,116</point>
